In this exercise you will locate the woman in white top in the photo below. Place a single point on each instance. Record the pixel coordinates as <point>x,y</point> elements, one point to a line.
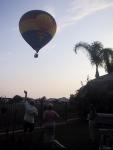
<point>30,113</point>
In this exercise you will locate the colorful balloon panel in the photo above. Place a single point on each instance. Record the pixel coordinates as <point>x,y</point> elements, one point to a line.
<point>37,27</point>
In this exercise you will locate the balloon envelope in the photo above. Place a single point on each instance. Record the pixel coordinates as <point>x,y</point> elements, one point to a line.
<point>37,27</point>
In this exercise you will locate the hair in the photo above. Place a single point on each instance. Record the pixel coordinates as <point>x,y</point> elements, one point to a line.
<point>50,106</point>
<point>31,102</point>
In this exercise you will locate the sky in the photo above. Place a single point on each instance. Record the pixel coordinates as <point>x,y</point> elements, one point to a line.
<point>58,71</point>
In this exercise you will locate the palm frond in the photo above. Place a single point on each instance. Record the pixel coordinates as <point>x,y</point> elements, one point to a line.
<point>82,45</point>
<point>107,57</point>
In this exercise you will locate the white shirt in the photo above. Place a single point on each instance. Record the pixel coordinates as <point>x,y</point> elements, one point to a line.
<point>30,112</point>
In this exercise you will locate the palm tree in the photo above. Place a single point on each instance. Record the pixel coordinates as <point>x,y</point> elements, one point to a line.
<point>107,57</point>
<point>93,50</point>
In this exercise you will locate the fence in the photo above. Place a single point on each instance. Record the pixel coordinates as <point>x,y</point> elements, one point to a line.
<point>104,124</point>
<point>11,114</point>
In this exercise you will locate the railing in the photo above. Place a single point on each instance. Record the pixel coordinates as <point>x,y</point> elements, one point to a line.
<point>11,115</point>
<point>104,124</point>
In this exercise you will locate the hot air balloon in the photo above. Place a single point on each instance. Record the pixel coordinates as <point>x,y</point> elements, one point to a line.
<point>37,27</point>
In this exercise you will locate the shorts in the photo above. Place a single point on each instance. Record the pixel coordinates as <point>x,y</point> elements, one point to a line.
<point>28,126</point>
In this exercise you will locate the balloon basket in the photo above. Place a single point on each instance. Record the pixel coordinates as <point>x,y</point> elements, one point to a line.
<point>36,55</point>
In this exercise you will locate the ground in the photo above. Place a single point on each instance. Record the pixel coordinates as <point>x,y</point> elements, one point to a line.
<point>74,135</point>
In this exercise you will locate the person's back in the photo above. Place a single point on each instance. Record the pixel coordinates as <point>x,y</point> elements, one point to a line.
<point>92,113</point>
<point>49,117</point>
<point>30,113</point>
<point>92,117</point>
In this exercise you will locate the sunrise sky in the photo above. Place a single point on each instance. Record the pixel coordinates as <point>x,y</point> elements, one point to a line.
<point>58,71</point>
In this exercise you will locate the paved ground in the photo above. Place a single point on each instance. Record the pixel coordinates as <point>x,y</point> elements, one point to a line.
<point>74,135</point>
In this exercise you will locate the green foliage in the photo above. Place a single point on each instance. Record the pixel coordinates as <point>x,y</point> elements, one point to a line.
<point>98,55</point>
<point>98,92</point>
<point>107,57</point>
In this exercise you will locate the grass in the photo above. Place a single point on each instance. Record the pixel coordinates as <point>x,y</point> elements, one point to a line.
<point>74,135</point>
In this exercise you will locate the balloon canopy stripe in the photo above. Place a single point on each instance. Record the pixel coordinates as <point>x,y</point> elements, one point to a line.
<point>36,38</point>
<point>32,24</point>
<point>33,14</point>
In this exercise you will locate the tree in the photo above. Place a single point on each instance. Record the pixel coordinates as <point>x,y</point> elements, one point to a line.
<point>107,57</point>
<point>93,50</point>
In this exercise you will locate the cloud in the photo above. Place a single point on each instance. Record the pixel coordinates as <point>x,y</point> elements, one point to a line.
<point>79,9</point>
<point>50,10</point>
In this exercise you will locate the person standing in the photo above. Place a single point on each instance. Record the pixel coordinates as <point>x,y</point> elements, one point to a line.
<point>29,116</point>
<point>92,116</point>
<point>49,118</point>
